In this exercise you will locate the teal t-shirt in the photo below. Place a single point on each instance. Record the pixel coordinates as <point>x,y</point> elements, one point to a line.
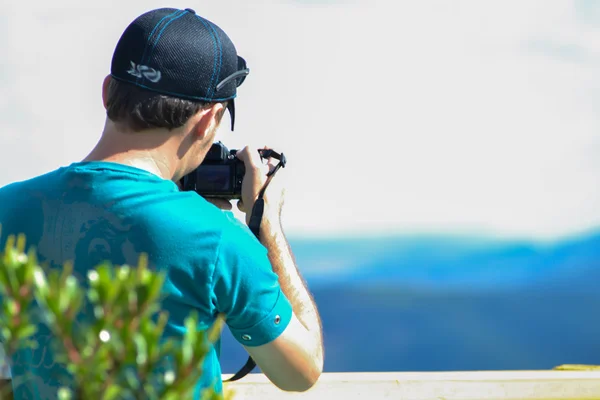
<point>89,212</point>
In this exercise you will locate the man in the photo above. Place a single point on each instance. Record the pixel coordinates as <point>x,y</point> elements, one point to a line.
<point>173,75</point>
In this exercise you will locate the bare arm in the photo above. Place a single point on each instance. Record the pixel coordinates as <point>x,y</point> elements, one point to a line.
<point>292,284</point>
<point>293,361</point>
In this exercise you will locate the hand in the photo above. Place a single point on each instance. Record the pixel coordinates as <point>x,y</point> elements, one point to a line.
<point>254,180</point>
<point>220,203</point>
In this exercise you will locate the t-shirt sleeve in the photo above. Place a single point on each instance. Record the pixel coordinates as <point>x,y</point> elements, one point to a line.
<point>246,289</point>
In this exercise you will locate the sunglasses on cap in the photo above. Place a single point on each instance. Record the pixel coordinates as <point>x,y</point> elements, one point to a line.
<point>239,76</point>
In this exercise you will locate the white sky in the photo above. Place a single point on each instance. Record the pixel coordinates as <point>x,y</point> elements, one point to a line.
<point>395,115</point>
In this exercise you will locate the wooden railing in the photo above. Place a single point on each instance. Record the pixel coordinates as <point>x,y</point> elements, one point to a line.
<point>485,385</point>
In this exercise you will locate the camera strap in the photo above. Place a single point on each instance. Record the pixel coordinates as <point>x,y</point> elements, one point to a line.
<point>259,205</point>
<point>254,225</point>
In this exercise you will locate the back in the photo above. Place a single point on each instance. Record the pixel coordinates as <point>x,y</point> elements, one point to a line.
<point>94,211</point>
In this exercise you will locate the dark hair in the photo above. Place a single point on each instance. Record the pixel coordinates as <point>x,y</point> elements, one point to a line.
<point>141,109</point>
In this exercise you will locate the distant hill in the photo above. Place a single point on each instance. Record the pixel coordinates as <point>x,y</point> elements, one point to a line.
<point>467,263</point>
<point>444,303</point>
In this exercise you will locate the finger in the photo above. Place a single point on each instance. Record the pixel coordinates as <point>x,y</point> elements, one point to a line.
<point>269,162</point>
<point>252,160</point>
<point>240,206</point>
<point>250,156</point>
<point>220,203</point>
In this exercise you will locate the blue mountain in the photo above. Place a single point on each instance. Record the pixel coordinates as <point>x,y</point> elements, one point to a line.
<point>469,263</point>
<point>439,303</point>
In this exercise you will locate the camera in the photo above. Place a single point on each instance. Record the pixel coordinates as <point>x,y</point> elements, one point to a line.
<point>219,176</point>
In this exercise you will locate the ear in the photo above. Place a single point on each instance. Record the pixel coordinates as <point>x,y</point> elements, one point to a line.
<point>208,120</point>
<point>105,90</point>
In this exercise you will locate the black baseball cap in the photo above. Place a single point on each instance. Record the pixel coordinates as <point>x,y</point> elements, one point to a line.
<point>180,54</point>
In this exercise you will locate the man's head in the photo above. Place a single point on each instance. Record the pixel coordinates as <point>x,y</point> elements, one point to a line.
<point>176,72</point>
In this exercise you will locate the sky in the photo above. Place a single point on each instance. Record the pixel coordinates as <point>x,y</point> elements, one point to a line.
<point>395,116</point>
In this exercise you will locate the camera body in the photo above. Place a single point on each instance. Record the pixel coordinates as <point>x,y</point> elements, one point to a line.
<point>219,176</point>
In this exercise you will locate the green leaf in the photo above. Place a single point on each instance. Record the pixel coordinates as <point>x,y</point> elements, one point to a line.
<point>20,247</point>
<point>40,281</point>
<point>187,352</point>
<point>142,264</point>
<point>6,334</point>
<point>11,307</point>
<point>141,349</point>
<point>68,293</point>
<point>155,285</point>
<point>65,394</point>
<point>112,392</point>
<point>9,245</point>
<point>214,333</point>
<point>67,272</point>
<point>126,304</point>
<point>132,379</point>
<point>25,331</point>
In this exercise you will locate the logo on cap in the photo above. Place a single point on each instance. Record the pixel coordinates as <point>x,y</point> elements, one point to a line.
<point>144,71</point>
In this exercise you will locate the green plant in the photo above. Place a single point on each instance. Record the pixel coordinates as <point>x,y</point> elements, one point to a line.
<point>121,351</point>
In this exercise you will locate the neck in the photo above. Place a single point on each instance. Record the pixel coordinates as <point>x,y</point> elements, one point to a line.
<point>151,150</point>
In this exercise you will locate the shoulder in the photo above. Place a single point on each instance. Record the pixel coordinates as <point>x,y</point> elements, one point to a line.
<point>21,195</point>
<point>16,188</point>
<point>23,188</point>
